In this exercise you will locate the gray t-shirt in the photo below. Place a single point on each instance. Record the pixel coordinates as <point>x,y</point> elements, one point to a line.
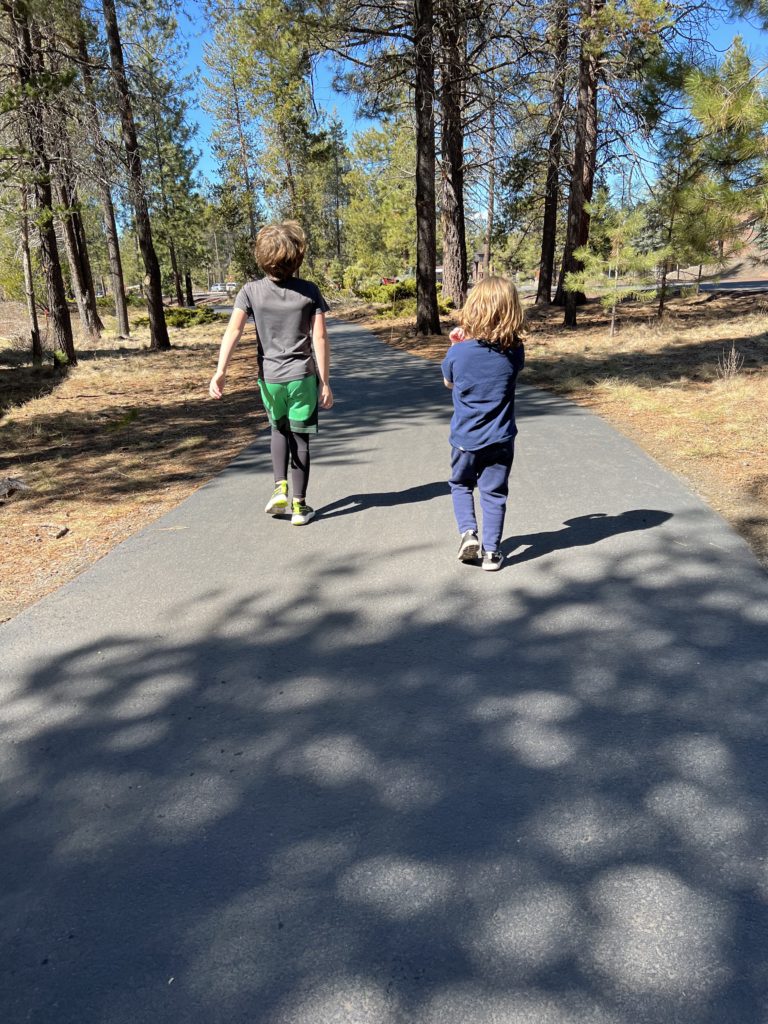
<point>283,313</point>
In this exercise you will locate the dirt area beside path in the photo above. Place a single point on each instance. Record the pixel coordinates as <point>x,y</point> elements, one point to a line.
<point>110,447</point>
<point>666,385</point>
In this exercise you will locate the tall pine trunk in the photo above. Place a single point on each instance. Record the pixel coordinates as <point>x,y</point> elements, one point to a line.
<point>452,72</point>
<point>115,259</point>
<point>176,273</point>
<point>247,182</point>
<point>559,38</point>
<point>77,256</point>
<point>488,244</point>
<point>427,315</point>
<point>65,238</point>
<point>152,281</point>
<point>85,262</point>
<point>188,287</point>
<point>29,284</point>
<point>30,71</point>
<point>584,153</point>
<point>105,192</point>
<point>167,225</point>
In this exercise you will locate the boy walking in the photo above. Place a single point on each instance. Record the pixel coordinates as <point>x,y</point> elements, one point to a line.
<point>481,368</point>
<point>293,359</point>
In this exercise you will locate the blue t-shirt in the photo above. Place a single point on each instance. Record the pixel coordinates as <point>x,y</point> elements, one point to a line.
<point>483,378</point>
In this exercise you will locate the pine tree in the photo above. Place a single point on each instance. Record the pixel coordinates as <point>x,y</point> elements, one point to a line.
<point>618,267</point>
<point>152,280</point>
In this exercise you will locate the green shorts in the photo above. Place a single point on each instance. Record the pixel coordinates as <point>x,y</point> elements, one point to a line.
<point>293,404</point>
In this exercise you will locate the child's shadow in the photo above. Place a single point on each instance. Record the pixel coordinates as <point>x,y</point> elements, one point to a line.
<point>581,531</point>
<point>383,499</point>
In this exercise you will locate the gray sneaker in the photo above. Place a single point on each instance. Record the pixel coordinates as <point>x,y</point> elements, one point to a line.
<point>492,560</point>
<point>469,547</point>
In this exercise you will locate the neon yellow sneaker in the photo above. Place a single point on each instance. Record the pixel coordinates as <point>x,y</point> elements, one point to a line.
<point>302,513</point>
<point>278,503</point>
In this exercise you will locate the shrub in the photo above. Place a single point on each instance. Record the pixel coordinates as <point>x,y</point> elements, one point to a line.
<point>181,316</point>
<point>132,299</point>
<point>353,277</point>
<point>388,293</point>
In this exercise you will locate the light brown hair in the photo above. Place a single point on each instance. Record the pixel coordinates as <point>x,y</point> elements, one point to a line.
<point>279,249</point>
<point>493,313</point>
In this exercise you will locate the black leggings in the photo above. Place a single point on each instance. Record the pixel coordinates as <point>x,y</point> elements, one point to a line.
<point>285,443</point>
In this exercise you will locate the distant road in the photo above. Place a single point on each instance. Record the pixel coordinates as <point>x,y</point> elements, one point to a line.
<point>734,286</point>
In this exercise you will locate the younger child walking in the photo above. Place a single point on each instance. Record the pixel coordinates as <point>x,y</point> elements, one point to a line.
<point>481,367</point>
<point>293,359</point>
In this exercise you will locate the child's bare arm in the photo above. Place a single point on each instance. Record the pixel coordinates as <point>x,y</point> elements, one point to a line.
<point>231,337</point>
<point>322,348</point>
<point>447,383</point>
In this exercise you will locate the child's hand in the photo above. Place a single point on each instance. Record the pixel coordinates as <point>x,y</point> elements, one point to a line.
<point>326,396</point>
<point>216,387</point>
<point>457,335</point>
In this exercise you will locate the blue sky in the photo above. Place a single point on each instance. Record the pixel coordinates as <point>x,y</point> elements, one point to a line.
<point>325,95</point>
<point>328,99</point>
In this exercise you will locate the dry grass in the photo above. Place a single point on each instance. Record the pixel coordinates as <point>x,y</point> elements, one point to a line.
<point>664,386</point>
<point>113,445</point>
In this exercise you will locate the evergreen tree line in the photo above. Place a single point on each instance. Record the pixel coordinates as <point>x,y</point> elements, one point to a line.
<point>581,138</point>
<point>588,140</point>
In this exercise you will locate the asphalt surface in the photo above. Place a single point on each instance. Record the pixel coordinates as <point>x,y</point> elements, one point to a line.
<point>259,774</point>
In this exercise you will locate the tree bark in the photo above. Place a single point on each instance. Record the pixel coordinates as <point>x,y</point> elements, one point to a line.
<point>85,263</point>
<point>77,257</point>
<point>488,244</point>
<point>153,281</point>
<point>176,274</point>
<point>105,191</point>
<point>188,286</point>
<point>29,70</point>
<point>585,133</point>
<point>427,315</point>
<point>250,198</point>
<point>115,260</point>
<point>452,70</point>
<point>29,284</point>
<point>66,237</point>
<point>590,166</point>
<point>559,38</point>
<point>167,228</point>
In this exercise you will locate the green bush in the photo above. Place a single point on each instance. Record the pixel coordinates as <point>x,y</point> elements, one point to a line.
<point>180,316</point>
<point>388,293</point>
<point>401,307</point>
<point>406,306</point>
<point>445,304</point>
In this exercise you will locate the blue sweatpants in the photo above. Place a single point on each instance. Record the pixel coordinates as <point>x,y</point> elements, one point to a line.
<point>488,470</point>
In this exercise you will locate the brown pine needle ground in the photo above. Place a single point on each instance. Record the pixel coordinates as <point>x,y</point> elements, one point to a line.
<point>122,439</point>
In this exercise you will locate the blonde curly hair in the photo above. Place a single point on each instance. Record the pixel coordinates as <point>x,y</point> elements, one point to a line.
<point>493,313</point>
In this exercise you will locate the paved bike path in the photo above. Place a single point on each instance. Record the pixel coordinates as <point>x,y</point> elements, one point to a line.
<point>256,774</point>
